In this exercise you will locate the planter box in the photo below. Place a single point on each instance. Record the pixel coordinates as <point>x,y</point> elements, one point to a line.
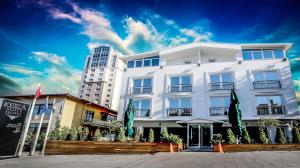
<point>94,147</point>
<point>258,147</point>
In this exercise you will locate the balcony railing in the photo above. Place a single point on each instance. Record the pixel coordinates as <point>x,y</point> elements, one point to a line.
<point>268,84</point>
<point>142,112</point>
<point>140,90</point>
<point>179,112</point>
<point>264,109</point>
<point>96,122</point>
<point>218,111</point>
<point>221,86</point>
<point>180,88</point>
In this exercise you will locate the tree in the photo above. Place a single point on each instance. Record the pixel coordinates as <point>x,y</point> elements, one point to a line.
<point>138,135</point>
<point>64,132</point>
<point>121,135</point>
<point>164,135</point>
<point>245,136</point>
<point>280,139</point>
<point>97,136</point>
<point>73,134</point>
<point>231,137</point>
<point>217,138</point>
<point>151,136</point>
<point>296,135</point>
<point>262,136</point>
<point>86,132</point>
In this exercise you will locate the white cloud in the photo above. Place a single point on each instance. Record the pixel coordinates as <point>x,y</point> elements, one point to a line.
<point>19,69</point>
<point>49,57</point>
<point>57,14</point>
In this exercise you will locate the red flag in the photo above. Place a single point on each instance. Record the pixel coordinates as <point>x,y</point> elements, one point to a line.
<point>38,91</point>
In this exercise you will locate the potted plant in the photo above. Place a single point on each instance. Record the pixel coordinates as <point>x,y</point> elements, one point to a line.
<point>216,141</point>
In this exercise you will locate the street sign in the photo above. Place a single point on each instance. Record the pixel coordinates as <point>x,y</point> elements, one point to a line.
<point>12,118</point>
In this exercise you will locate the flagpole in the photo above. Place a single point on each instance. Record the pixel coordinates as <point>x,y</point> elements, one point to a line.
<point>27,127</point>
<point>48,128</point>
<point>37,135</point>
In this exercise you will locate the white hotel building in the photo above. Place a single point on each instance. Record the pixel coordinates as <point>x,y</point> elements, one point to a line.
<point>187,88</point>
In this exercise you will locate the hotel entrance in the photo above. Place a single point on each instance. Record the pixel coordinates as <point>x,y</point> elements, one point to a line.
<point>199,135</point>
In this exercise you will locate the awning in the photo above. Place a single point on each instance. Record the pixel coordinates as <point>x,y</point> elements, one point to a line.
<point>198,121</point>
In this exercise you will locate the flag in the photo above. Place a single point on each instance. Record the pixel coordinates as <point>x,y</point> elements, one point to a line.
<point>46,105</point>
<point>38,91</point>
<point>129,118</point>
<point>235,114</point>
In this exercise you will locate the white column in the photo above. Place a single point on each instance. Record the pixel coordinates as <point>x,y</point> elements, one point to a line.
<point>37,135</point>
<point>188,135</point>
<point>199,136</point>
<point>211,132</point>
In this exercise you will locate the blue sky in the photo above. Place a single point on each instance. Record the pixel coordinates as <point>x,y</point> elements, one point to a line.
<point>47,41</point>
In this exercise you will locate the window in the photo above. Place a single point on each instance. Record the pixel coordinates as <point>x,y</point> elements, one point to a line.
<point>98,90</point>
<point>93,70</point>
<point>142,107</point>
<point>114,61</point>
<point>96,95</point>
<point>249,54</point>
<point>256,54</point>
<point>98,84</point>
<point>91,75</point>
<point>268,54</point>
<point>40,108</point>
<point>107,101</point>
<point>87,95</point>
<point>89,85</point>
<point>108,95</point>
<point>180,106</point>
<point>89,115</point>
<point>155,61</point>
<point>187,61</point>
<point>142,86</point>
<point>278,54</point>
<point>88,90</point>
<point>265,75</point>
<point>145,62</point>
<point>212,60</point>
<point>138,63</point>
<point>99,79</point>
<point>180,84</point>
<point>222,81</point>
<point>90,80</point>
<point>130,64</point>
<point>271,104</point>
<point>219,106</point>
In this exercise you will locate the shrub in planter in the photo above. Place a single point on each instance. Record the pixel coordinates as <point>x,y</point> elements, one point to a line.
<point>231,139</point>
<point>138,136</point>
<point>245,136</point>
<point>55,134</point>
<point>164,135</point>
<point>296,135</point>
<point>151,136</point>
<point>262,136</point>
<point>85,133</point>
<point>174,139</point>
<point>121,135</point>
<point>73,134</point>
<point>280,139</point>
<point>64,133</point>
<point>97,136</point>
<point>80,133</point>
<point>217,138</point>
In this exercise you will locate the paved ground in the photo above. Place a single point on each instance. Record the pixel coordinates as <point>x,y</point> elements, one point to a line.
<point>173,160</point>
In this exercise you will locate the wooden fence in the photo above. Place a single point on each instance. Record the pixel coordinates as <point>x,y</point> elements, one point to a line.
<point>260,147</point>
<point>94,147</point>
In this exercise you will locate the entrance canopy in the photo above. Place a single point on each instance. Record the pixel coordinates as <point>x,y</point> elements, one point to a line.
<point>198,121</point>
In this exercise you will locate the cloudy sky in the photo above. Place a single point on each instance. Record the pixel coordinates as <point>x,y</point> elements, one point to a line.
<point>47,41</point>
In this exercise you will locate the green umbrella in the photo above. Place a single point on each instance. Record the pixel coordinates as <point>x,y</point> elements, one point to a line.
<point>235,114</point>
<point>129,118</point>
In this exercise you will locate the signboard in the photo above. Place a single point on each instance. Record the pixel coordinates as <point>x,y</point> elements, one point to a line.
<point>12,117</point>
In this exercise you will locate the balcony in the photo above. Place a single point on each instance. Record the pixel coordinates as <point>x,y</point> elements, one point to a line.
<point>268,84</point>
<point>142,112</point>
<point>218,111</point>
<point>180,88</point>
<point>179,112</point>
<point>264,109</point>
<point>221,86</point>
<point>96,122</point>
<point>140,90</point>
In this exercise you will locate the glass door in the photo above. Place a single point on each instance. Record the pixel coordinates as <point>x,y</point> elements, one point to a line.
<point>193,135</point>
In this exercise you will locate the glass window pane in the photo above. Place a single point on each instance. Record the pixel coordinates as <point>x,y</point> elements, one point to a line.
<point>271,75</point>
<point>136,104</point>
<point>130,64</point>
<point>257,55</point>
<point>258,76</point>
<point>36,109</point>
<point>261,100</point>
<point>186,80</point>
<point>215,102</point>
<point>226,101</point>
<point>247,55</point>
<point>147,63</point>
<point>214,78</point>
<point>268,54</point>
<point>275,100</point>
<point>138,63</point>
<point>174,103</point>
<point>147,82</point>
<point>174,81</point>
<point>226,77</point>
<point>145,104</point>
<point>186,103</point>
<point>155,62</point>
<point>137,83</point>
<point>278,54</point>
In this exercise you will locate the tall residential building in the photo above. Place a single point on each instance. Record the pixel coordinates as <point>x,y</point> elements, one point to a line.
<point>187,88</point>
<point>101,77</point>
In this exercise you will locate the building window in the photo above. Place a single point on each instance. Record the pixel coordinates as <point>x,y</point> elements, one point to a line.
<point>93,70</point>
<point>180,107</point>
<point>40,108</point>
<point>98,90</point>
<point>89,115</point>
<point>89,85</point>
<point>142,107</point>
<point>108,95</point>
<point>91,75</point>
<point>222,81</point>
<point>257,54</point>
<point>88,90</point>
<point>96,95</point>
<point>107,101</point>
<point>114,61</point>
<point>90,80</point>
<point>98,84</point>
<point>142,86</point>
<point>180,84</point>
<point>212,60</point>
<point>87,95</point>
<point>269,105</point>
<point>145,62</point>
<point>219,105</point>
<point>266,80</point>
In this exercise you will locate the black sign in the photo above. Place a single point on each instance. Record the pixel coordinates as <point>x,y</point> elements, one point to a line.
<point>12,117</point>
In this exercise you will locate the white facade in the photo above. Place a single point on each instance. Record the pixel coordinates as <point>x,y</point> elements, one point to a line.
<point>192,84</point>
<point>98,81</point>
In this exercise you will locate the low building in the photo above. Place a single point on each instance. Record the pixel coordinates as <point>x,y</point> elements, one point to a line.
<point>70,110</point>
